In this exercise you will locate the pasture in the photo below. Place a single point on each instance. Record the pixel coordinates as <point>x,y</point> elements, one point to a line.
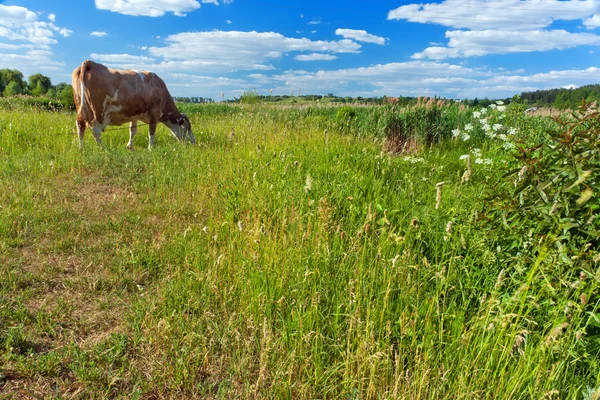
<point>291,255</point>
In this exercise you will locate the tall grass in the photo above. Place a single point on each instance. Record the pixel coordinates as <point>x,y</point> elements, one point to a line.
<point>286,256</point>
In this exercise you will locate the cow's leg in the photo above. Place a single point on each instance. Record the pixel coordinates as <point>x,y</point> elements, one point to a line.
<point>80,132</point>
<point>132,132</point>
<point>151,132</point>
<point>97,132</point>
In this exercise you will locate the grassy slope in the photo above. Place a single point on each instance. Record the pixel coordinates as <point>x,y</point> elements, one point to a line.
<point>279,263</point>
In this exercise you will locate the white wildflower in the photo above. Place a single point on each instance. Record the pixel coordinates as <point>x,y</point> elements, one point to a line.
<point>476,114</point>
<point>486,127</point>
<point>483,111</point>
<point>463,157</point>
<point>497,127</point>
<point>503,137</point>
<point>499,102</point>
<point>508,146</point>
<point>455,132</point>
<point>486,161</point>
<point>465,136</point>
<point>493,106</point>
<point>476,152</point>
<point>501,116</point>
<point>468,127</point>
<point>512,131</point>
<point>501,108</point>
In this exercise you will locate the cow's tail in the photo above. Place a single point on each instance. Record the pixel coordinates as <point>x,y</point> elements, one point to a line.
<point>85,66</point>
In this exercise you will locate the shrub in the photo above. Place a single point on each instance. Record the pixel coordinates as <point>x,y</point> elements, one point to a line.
<point>547,208</point>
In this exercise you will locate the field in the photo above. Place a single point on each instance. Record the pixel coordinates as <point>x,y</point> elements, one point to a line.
<point>292,255</point>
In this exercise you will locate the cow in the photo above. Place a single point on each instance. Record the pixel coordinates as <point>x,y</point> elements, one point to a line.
<point>105,96</point>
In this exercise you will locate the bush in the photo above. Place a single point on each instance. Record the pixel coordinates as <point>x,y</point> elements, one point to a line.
<point>549,243</point>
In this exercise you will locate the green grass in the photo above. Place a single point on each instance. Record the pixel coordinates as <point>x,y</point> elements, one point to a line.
<point>280,261</point>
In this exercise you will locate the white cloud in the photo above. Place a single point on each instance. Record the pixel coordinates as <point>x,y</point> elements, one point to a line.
<point>235,50</point>
<point>28,39</point>
<point>228,22</point>
<point>496,14</point>
<point>570,86</point>
<point>98,33</point>
<point>418,78</point>
<point>120,59</point>
<point>480,43</point>
<point>31,62</point>
<point>315,21</point>
<point>360,36</point>
<point>592,22</point>
<point>315,57</point>
<point>20,24</point>
<point>153,8</point>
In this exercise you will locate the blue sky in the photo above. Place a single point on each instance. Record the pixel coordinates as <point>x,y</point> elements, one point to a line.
<point>448,48</point>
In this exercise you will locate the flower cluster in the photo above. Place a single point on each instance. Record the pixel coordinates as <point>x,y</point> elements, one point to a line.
<point>477,153</point>
<point>487,122</point>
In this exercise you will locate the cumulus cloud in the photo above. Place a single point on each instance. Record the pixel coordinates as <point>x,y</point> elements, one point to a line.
<point>496,14</point>
<point>235,50</point>
<point>480,43</point>
<point>26,42</point>
<point>418,78</point>
<point>98,33</point>
<point>154,8</point>
<point>121,58</point>
<point>20,24</point>
<point>484,27</point>
<point>592,22</point>
<point>360,36</point>
<point>315,57</point>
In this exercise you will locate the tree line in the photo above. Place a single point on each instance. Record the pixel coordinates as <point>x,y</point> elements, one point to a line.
<point>562,98</point>
<point>13,83</point>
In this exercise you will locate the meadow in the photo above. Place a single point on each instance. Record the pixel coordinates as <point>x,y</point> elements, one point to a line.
<point>302,252</point>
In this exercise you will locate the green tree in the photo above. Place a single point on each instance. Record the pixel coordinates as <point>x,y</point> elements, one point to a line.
<point>66,96</point>
<point>52,93</point>
<point>11,75</point>
<point>12,89</point>
<point>39,84</point>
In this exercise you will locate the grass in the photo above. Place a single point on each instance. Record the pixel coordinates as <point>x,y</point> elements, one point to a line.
<point>274,260</point>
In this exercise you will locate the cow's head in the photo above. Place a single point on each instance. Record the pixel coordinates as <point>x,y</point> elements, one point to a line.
<point>182,128</point>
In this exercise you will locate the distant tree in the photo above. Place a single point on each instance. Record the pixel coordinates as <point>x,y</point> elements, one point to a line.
<point>52,92</point>
<point>12,75</point>
<point>39,84</point>
<point>66,96</point>
<point>13,89</point>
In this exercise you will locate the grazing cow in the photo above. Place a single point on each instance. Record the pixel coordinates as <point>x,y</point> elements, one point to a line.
<point>105,96</point>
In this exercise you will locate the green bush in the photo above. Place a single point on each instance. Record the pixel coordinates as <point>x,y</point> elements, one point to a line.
<point>549,240</point>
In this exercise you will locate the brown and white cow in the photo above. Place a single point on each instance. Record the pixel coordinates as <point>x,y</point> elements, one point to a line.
<point>105,96</point>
